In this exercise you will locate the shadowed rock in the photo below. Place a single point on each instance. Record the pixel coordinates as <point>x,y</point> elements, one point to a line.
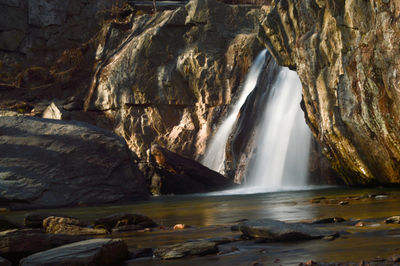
<point>16,244</point>
<point>178,175</point>
<point>124,222</point>
<point>88,252</point>
<point>273,230</point>
<point>49,163</point>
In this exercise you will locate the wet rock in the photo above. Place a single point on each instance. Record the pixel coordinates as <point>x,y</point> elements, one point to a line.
<point>63,163</point>
<point>343,203</point>
<point>20,243</point>
<point>124,222</point>
<point>69,226</point>
<point>329,220</point>
<point>88,252</point>
<point>273,230</point>
<point>200,247</point>
<point>6,224</point>
<point>381,197</point>
<point>180,175</point>
<point>393,220</point>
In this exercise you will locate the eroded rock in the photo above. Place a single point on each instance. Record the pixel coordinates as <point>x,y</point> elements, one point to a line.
<point>88,252</point>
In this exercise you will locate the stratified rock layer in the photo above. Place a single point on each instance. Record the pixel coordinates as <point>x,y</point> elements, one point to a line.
<point>48,163</point>
<point>347,56</point>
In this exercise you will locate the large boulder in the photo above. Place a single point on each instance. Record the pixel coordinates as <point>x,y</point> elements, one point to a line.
<point>346,54</point>
<point>88,252</point>
<point>175,174</point>
<point>49,163</point>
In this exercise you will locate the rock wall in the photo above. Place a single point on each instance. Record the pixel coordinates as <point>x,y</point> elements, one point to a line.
<point>169,77</point>
<point>38,31</point>
<point>347,56</point>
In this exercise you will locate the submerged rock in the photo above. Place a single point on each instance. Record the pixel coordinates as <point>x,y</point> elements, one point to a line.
<point>49,163</point>
<point>88,252</point>
<point>69,226</point>
<point>200,247</point>
<point>274,230</point>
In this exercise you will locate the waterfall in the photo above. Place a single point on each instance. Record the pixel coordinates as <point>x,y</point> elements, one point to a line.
<point>214,157</point>
<point>280,161</point>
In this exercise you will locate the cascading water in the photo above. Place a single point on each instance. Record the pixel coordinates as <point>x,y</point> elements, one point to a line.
<point>281,158</point>
<point>215,155</point>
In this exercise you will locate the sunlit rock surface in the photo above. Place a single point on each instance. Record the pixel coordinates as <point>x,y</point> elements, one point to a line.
<point>170,76</point>
<point>347,56</point>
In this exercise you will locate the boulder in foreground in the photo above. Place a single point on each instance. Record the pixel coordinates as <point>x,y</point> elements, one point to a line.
<point>273,230</point>
<point>53,163</point>
<point>88,252</point>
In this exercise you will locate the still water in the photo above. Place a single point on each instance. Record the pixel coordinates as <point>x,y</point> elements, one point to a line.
<point>223,208</point>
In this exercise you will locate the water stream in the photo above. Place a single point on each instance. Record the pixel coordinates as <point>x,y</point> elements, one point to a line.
<point>215,155</point>
<point>281,159</point>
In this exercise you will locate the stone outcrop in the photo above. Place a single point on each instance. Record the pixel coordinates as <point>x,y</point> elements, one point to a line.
<point>88,252</point>
<point>346,54</point>
<point>49,163</point>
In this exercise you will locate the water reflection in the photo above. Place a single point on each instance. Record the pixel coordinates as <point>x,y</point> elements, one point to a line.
<point>209,209</point>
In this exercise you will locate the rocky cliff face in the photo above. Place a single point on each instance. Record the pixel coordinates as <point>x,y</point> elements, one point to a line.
<point>168,77</point>
<point>346,54</point>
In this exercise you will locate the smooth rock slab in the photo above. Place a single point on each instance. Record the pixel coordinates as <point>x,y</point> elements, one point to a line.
<point>88,252</point>
<point>279,231</point>
<point>201,247</point>
<point>53,163</point>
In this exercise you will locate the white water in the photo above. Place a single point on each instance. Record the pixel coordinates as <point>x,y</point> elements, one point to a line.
<point>281,158</point>
<point>214,157</point>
